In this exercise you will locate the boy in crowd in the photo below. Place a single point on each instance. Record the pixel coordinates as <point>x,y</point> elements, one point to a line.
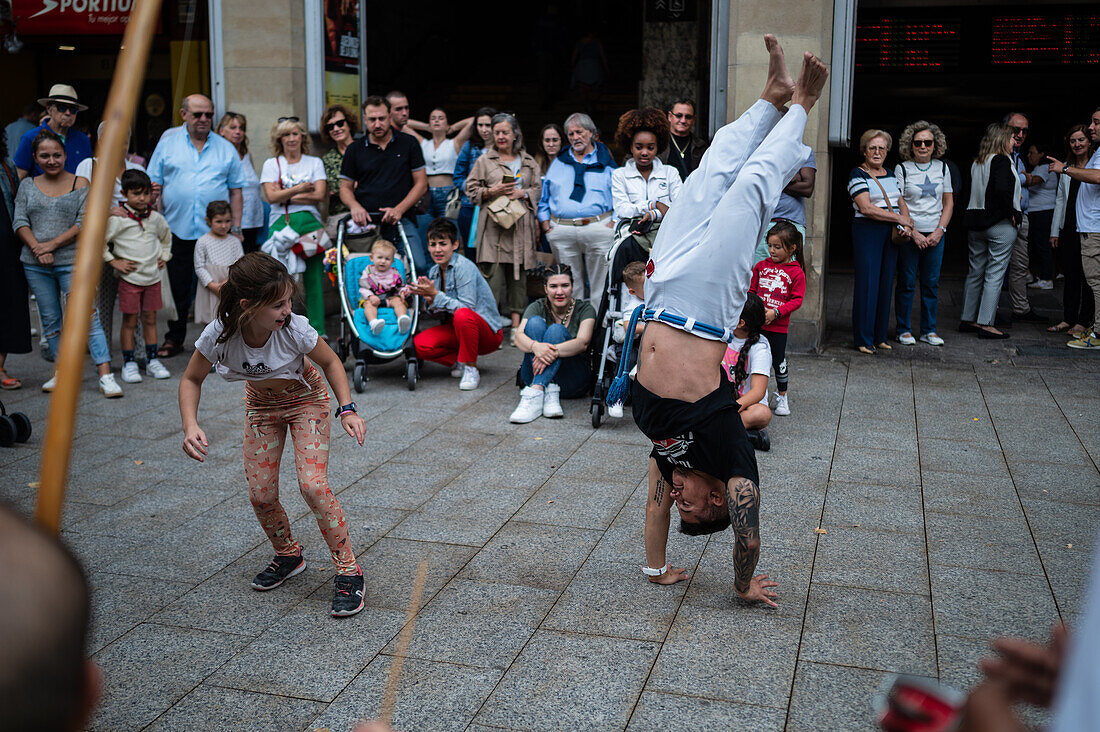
<point>139,245</point>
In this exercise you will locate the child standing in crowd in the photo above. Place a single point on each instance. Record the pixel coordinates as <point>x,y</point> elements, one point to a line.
<point>780,282</point>
<point>257,339</point>
<point>215,251</point>
<point>748,364</point>
<point>634,280</point>
<point>381,284</point>
<point>139,245</point>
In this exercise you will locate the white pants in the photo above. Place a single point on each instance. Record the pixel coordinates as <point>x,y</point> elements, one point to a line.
<point>584,249</point>
<point>703,256</point>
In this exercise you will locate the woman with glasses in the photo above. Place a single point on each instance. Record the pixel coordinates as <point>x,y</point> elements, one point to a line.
<point>879,211</point>
<point>234,127</point>
<point>339,126</point>
<point>1078,305</point>
<point>550,140</point>
<point>926,190</point>
<point>295,185</point>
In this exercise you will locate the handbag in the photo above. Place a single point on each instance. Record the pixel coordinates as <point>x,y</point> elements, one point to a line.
<point>308,245</point>
<point>897,236</point>
<point>454,204</point>
<point>505,212</point>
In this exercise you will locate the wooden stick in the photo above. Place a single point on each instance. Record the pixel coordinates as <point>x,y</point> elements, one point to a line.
<point>125,87</point>
<point>389,698</point>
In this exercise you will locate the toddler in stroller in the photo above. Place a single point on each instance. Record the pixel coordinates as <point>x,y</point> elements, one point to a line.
<point>381,284</point>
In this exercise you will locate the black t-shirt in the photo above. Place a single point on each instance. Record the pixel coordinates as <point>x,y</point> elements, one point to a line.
<point>383,177</point>
<point>706,435</point>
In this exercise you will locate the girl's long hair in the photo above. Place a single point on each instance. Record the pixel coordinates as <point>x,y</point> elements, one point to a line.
<point>753,316</point>
<point>258,278</point>
<point>791,238</point>
<point>996,141</point>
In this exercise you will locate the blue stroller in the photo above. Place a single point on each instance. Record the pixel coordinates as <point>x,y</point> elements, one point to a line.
<point>356,338</point>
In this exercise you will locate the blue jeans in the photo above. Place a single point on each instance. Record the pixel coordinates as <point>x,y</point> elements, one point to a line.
<point>876,258</point>
<point>571,373</point>
<point>928,260</point>
<point>416,244</point>
<point>49,283</point>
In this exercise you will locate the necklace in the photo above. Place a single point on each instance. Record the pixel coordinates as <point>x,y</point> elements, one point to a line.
<point>682,150</point>
<point>925,169</point>
<point>563,319</point>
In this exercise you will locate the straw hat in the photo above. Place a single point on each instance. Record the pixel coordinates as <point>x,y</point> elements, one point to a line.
<point>62,93</point>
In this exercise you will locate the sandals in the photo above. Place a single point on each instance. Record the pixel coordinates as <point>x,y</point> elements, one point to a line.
<point>169,349</point>
<point>1059,328</point>
<point>9,383</point>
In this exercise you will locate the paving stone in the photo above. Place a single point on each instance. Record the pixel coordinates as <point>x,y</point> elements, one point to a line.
<point>877,467</point>
<point>1070,482</point>
<point>461,515</point>
<point>1069,572</point>
<point>970,495</point>
<point>235,709</point>
<point>390,567</point>
<point>884,508</point>
<point>743,654</point>
<point>964,425</point>
<point>565,681</point>
<point>879,433</point>
<point>624,540</point>
<point>836,698</point>
<point>988,543</point>
<point>952,456</point>
<point>478,624</point>
<point>519,555</point>
<point>876,560</point>
<point>1062,524</point>
<point>576,502</point>
<point>121,603</point>
<point>712,582</point>
<point>959,657</point>
<point>657,712</point>
<point>429,696</point>
<point>147,515</point>
<point>152,667</point>
<point>979,603</point>
<point>869,629</point>
<point>526,471</point>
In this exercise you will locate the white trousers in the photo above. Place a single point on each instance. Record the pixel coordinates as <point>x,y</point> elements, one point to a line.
<point>584,248</point>
<point>703,256</point>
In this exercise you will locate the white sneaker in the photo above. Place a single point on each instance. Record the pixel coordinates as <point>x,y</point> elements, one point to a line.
<point>530,406</point>
<point>932,339</point>
<point>156,369</point>
<point>131,374</point>
<point>377,325</point>
<point>781,407</point>
<point>49,385</point>
<point>512,337</point>
<point>1042,285</point>
<point>551,403</point>
<point>618,332</point>
<point>470,378</point>
<point>615,410</point>
<point>403,324</point>
<point>109,386</point>
<point>907,339</point>
<point>457,371</point>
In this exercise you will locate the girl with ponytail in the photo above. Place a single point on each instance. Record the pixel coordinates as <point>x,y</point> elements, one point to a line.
<point>748,364</point>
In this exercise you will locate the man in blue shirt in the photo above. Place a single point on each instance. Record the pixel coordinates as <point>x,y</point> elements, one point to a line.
<point>1018,265</point>
<point>575,208</point>
<point>189,170</point>
<point>62,106</point>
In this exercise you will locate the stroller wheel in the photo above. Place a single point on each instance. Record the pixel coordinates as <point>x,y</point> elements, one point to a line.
<point>22,426</point>
<point>597,414</point>
<point>411,374</point>
<point>358,375</point>
<point>342,350</point>
<point>7,431</point>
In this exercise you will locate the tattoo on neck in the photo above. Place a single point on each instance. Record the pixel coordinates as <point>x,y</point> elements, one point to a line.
<point>743,503</point>
<point>659,490</point>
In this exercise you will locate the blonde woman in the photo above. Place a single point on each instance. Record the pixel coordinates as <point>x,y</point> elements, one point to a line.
<point>295,185</point>
<point>234,127</point>
<point>992,217</point>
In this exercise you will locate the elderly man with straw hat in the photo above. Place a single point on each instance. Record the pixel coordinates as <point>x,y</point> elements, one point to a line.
<point>61,106</point>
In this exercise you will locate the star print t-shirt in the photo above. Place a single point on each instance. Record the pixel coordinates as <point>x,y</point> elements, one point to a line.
<point>282,357</point>
<point>923,191</point>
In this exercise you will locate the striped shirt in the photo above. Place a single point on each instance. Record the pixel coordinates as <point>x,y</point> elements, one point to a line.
<point>859,181</point>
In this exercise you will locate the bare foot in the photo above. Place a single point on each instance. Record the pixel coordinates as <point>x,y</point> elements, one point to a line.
<point>810,82</point>
<point>780,85</point>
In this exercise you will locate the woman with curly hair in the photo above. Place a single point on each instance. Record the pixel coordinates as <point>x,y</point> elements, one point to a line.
<point>925,183</point>
<point>644,187</point>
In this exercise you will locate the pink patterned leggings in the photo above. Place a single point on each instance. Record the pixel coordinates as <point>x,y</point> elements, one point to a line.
<point>305,411</point>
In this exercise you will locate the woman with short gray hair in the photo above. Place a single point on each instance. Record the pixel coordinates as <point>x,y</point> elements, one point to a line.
<point>506,184</point>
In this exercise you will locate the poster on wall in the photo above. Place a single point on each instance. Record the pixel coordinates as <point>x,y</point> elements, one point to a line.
<point>342,45</point>
<point>77,17</point>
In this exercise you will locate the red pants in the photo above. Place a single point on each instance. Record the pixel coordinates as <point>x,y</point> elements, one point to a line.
<point>465,337</point>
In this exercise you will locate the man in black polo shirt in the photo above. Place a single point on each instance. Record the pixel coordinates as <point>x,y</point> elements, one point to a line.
<point>384,171</point>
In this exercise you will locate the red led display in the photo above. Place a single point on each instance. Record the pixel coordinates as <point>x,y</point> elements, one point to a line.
<point>1045,40</point>
<point>904,44</point>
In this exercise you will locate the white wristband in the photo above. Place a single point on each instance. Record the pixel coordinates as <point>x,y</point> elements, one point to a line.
<point>651,572</point>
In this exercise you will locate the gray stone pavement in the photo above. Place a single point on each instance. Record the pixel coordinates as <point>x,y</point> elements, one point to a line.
<point>915,504</point>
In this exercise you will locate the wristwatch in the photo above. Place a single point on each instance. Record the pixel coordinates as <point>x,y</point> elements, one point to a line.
<point>651,572</point>
<point>234,230</point>
<point>344,409</point>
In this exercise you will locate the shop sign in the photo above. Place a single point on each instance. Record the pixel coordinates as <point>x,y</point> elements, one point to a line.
<point>78,17</point>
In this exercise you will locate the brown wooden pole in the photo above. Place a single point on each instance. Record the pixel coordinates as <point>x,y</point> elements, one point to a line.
<point>125,87</point>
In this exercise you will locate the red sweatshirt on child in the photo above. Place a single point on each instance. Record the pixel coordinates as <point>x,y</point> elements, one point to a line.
<point>780,286</point>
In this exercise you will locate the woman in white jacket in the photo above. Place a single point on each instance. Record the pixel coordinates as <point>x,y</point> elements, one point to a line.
<point>645,187</point>
<point>1077,299</point>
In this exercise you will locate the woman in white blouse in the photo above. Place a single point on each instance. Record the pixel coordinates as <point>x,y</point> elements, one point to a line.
<point>234,127</point>
<point>645,187</point>
<point>440,156</point>
<point>295,185</point>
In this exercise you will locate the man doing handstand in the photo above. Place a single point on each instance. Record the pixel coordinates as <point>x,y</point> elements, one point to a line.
<point>698,275</point>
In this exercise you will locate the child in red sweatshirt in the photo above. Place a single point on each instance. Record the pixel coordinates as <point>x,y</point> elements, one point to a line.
<point>780,282</point>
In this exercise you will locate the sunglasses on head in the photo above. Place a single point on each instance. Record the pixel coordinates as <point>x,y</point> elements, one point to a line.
<point>334,124</point>
<point>923,143</point>
<point>288,119</point>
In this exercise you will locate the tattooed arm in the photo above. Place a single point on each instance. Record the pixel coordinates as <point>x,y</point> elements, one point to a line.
<point>658,510</point>
<point>743,502</point>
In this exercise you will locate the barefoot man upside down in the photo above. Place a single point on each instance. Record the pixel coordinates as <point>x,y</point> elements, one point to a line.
<point>698,275</point>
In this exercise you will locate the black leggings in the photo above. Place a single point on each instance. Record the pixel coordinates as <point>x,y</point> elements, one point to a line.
<point>778,342</point>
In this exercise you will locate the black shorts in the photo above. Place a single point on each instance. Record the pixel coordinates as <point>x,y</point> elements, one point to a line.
<point>706,435</point>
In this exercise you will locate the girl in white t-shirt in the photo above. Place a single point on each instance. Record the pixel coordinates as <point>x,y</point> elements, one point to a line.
<point>256,339</point>
<point>748,364</point>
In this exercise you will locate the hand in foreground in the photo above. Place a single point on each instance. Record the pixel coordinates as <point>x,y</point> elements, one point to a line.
<point>1028,670</point>
<point>671,577</point>
<point>424,287</point>
<point>360,216</point>
<point>759,591</point>
<point>125,266</point>
<point>354,425</point>
<point>390,215</point>
<point>195,444</point>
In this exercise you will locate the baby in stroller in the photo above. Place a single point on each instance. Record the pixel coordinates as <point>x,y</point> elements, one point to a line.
<point>381,284</point>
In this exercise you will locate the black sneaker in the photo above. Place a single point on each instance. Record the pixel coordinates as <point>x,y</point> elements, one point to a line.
<point>278,571</point>
<point>759,439</point>
<point>348,598</point>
